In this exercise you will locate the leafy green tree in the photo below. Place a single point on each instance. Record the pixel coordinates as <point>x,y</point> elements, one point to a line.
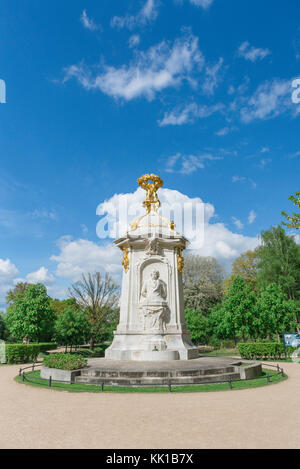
<point>2,327</point>
<point>72,327</point>
<point>202,281</point>
<point>109,324</point>
<point>279,262</point>
<point>197,267</point>
<point>293,221</point>
<point>244,266</point>
<point>198,326</point>
<point>59,306</point>
<point>235,317</point>
<point>30,315</point>
<point>19,289</point>
<point>98,297</point>
<point>275,312</point>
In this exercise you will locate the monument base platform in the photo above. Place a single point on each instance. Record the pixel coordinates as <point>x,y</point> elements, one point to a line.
<point>151,347</point>
<point>178,372</point>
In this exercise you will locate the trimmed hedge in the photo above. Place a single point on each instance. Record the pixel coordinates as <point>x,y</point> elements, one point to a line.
<point>46,346</point>
<point>264,350</point>
<point>21,353</point>
<point>64,361</point>
<point>25,353</point>
<point>98,352</point>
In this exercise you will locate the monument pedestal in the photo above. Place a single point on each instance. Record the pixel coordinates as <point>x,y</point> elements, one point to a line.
<point>152,324</point>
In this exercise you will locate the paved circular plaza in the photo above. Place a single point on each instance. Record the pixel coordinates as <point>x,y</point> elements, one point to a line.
<point>265,417</point>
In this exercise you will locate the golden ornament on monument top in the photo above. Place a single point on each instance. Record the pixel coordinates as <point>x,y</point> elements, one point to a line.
<point>151,189</point>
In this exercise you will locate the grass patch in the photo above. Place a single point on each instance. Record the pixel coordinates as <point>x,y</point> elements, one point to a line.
<point>236,353</point>
<point>221,353</point>
<point>78,387</point>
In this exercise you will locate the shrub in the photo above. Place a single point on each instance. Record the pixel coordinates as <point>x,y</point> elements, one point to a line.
<point>97,352</point>
<point>228,344</point>
<point>46,346</point>
<point>264,350</point>
<point>64,361</point>
<point>21,353</point>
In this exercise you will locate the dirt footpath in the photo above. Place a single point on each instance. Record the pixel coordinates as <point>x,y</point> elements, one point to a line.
<point>265,417</point>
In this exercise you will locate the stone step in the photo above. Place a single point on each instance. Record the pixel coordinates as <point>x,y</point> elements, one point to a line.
<point>146,380</point>
<point>102,373</point>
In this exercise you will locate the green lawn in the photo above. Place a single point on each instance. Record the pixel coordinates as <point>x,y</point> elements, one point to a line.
<point>39,382</point>
<point>235,353</point>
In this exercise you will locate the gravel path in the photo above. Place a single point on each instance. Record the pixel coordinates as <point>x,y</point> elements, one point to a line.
<point>265,417</point>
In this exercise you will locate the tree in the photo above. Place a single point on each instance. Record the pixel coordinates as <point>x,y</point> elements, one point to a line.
<point>276,314</point>
<point>244,266</point>
<point>97,296</point>
<point>2,327</point>
<point>72,327</point>
<point>235,317</point>
<point>197,267</point>
<point>30,315</point>
<point>59,306</point>
<point>294,220</point>
<point>279,262</point>
<point>15,292</point>
<point>109,325</point>
<point>198,326</point>
<point>202,280</point>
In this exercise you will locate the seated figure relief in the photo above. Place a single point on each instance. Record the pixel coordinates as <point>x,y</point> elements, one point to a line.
<point>154,306</point>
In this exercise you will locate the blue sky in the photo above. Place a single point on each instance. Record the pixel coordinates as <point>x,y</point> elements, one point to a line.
<point>98,93</point>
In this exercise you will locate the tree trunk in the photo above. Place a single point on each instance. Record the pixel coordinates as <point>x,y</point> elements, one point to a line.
<point>92,343</point>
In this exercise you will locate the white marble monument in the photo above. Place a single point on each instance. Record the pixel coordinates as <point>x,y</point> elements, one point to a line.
<point>152,324</point>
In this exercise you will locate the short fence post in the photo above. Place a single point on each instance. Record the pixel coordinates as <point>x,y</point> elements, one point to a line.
<point>102,387</point>
<point>282,372</point>
<point>20,371</point>
<point>23,376</point>
<point>278,369</point>
<point>229,382</point>
<point>170,386</point>
<point>268,378</point>
<point>50,381</point>
<point>33,367</point>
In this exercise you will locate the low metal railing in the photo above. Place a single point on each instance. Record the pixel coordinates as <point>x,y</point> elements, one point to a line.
<point>230,381</point>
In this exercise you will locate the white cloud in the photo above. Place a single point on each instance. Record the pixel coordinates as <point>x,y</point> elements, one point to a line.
<point>270,99</point>
<point>8,273</point>
<point>87,22</point>
<point>188,114</point>
<point>243,179</point>
<point>264,162</point>
<point>84,229</point>
<point>82,256</point>
<point>78,256</point>
<point>212,77</point>
<point>202,3</point>
<point>251,53</point>
<point>47,214</point>
<point>134,40</point>
<point>225,131</point>
<point>265,150</point>
<point>42,275</point>
<point>219,241</point>
<point>188,164</point>
<point>237,223</point>
<point>7,270</point>
<point>295,155</point>
<point>163,65</point>
<point>251,217</point>
<point>148,13</point>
